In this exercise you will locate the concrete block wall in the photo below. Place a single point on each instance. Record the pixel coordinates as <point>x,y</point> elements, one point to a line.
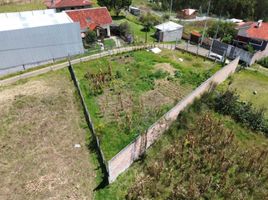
<point>123,160</point>
<point>259,55</point>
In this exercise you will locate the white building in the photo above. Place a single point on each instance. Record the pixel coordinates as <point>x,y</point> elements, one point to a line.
<point>36,37</point>
<point>169,31</point>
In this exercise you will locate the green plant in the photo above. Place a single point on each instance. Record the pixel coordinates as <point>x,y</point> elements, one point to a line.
<point>91,37</point>
<point>205,163</point>
<point>228,103</point>
<point>264,62</point>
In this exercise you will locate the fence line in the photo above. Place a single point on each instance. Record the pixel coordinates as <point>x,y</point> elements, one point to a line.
<point>74,61</point>
<point>90,123</point>
<point>124,159</point>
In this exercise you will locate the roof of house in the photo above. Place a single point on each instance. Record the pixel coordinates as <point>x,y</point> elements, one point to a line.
<point>188,11</point>
<point>168,26</point>
<point>234,20</point>
<point>251,30</point>
<point>31,19</point>
<point>195,33</point>
<point>66,3</point>
<point>91,17</point>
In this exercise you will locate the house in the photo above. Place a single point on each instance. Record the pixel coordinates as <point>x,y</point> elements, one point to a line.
<point>134,11</point>
<point>254,34</point>
<point>61,5</point>
<point>187,14</point>
<point>32,38</point>
<point>169,31</point>
<point>95,19</point>
<point>195,37</point>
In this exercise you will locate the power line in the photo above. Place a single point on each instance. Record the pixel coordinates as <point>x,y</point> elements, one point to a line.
<point>205,27</point>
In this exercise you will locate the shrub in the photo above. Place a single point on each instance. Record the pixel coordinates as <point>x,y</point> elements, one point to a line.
<point>205,163</point>
<point>90,37</point>
<point>264,62</point>
<point>124,29</point>
<point>228,103</point>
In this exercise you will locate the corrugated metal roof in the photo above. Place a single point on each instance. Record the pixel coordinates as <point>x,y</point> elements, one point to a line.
<point>30,19</point>
<point>168,26</point>
<point>33,45</point>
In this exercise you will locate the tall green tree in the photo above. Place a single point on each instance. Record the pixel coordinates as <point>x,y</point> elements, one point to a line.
<point>148,21</point>
<point>116,5</point>
<point>223,30</point>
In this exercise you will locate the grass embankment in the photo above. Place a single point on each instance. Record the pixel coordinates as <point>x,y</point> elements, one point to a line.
<point>41,120</point>
<point>159,176</point>
<point>127,93</point>
<point>24,5</point>
<point>252,86</point>
<point>196,26</point>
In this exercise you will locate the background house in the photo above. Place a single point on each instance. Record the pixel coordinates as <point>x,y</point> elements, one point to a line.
<point>97,19</point>
<point>187,14</point>
<point>134,11</point>
<point>169,31</point>
<point>61,5</point>
<point>195,37</point>
<point>254,34</point>
<point>36,37</point>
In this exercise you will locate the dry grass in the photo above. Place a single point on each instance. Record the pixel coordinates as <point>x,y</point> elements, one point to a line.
<point>21,5</point>
<point>40,122</point>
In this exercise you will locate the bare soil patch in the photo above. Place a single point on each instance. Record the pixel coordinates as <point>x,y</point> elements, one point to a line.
<point>41,122</point>
<point>166,67</point>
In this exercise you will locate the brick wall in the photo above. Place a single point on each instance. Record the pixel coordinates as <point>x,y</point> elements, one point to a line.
<point>123,160</point>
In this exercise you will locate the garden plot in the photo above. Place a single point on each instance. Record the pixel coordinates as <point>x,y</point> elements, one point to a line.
<point>127,93</point>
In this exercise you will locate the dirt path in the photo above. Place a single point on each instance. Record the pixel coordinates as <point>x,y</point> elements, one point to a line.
<point>41,121</point>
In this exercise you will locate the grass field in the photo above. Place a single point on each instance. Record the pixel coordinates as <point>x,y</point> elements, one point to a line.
<point>41,121</point>
<point>127,93</point>
<point>118,190</point>
<point>22,5</point>
<point>247,82</point>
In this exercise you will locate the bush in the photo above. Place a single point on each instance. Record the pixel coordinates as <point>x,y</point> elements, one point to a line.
<point>204,163</point>
<point>90,37</point>
<point>124,29</point>
<point>228,103</point>
<point>264,62</point>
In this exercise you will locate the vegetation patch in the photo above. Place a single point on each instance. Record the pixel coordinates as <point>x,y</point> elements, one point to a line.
<point>251,86</point>
<point>204,155</point>
<point>127,93</point>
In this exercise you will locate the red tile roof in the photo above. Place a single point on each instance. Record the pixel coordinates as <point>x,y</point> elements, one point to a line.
<point>189,11</point>
<point>196,33</point>
<point>91,17</point>
<point>251,30</point>
<point>67,3</point>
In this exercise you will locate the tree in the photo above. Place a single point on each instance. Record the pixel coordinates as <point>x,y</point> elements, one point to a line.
<point>148,21</point>
<point>206,162</point>
<point>90,37</point>
<point>116,5</point>
<point>223,30</point>
<point>124,29</point>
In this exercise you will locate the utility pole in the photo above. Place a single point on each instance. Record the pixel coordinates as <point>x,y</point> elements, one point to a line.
<point>203,34</point>
<point>215,36</point>
<point>171,5</point>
